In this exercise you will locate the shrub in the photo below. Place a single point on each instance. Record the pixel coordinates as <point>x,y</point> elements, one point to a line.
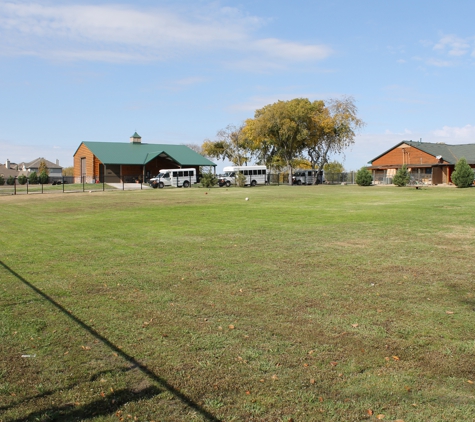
<point>33,178</point>
<point>363,177</point>
<point>2,181</point>
<point>463,174</point>
<point>10,180</point>
<point>208,180</point>
<point>402,177</point>
<point>22,179</point>
<point>43,178</point>
<point>240,179</point>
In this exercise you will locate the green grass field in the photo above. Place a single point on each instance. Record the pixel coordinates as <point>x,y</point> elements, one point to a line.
<point>332,303</point>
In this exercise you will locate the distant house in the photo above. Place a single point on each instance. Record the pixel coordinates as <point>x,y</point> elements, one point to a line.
<point>129,162</point>
<point>9,169</point>
<point>55,170</point>
<point>15,170</point>
<point>429,163</point>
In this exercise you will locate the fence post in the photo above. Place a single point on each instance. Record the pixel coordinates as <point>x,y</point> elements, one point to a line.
<point>14,185</point>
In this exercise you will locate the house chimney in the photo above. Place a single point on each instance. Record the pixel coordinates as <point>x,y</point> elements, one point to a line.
<point>7,164</point>
<point>136,138</point>
<point>57,162</point>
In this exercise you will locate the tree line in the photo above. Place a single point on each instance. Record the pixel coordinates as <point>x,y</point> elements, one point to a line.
<point>286,133</point>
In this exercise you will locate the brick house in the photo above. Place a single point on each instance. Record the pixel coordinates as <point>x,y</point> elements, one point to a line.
<point>428,163</point>
<point>116,162</point>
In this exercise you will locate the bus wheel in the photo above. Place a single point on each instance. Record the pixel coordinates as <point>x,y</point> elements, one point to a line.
<point>299,182</point>
<point>253,183</point>
<point>161,185</point>
<point>228,183</point>
<point>186,184</point>
<point>155,185</point>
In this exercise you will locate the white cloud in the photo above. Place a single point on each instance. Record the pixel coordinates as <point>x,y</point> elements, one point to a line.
<point>455,133</point>
<point>438,63</point>
<point>114,33</point>
<point>291,50</point>
<point>455,46</point>
<point>180,84</point>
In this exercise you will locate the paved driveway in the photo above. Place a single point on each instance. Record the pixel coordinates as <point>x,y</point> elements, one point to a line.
<point>129,186</point>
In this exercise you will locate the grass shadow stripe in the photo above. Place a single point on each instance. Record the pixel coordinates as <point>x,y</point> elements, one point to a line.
<point>146,371</point>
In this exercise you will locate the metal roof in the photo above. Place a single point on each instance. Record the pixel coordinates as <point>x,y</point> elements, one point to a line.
<point>449,153</point>
<point>140,153</point>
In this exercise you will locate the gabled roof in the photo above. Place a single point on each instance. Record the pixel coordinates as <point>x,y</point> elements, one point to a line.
<point>140,154</point>
<point>36,164</point>
<point>449,153</point>
<point>10,172</point>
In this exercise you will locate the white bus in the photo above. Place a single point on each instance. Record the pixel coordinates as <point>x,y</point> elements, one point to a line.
<point>255,175</point>
<point>307,177</point>
<point>174,177</point>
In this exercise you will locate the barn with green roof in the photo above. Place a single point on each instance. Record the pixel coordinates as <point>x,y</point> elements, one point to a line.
<point>115,162</point>
<point>429,163</point>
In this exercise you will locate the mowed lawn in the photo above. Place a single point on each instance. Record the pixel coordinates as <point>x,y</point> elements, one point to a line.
<point>302,304</point>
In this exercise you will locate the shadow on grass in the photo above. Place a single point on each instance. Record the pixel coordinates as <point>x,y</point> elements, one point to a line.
<point>108,404</point>
<point>142,368</point>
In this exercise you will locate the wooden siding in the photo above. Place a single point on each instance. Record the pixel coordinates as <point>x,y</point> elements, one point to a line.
<point>405,154</point>
<point>92,164</point>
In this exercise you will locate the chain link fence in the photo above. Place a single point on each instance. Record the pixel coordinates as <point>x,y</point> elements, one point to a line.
<point>70,184</point>
<point>67,184</point>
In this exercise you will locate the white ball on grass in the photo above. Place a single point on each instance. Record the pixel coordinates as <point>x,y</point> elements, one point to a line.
<point>247,199</point>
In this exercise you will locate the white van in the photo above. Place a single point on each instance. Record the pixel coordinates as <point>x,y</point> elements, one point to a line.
<point>255,175</point>
<point>307,177</point>
<point>174,177</point>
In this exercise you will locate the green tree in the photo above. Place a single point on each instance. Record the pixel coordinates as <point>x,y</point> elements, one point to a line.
<point>230,144</point>
<point>2,181</point>
<point>10,180</point>
<point>208,180</point>
<point>334,130</point>
<point>68,171</point>
<point>43,177</point>
<point>22,179</point>
<point>240,179</point>
<point>283,128</point>
<point>333,170</point>
<point>43,168</point>
<point>33,178</point>
<point>463,175</point>
<point>363,177</point>
<point>402,177</point>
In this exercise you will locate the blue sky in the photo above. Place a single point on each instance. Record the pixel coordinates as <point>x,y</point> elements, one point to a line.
<point>179,71</point>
